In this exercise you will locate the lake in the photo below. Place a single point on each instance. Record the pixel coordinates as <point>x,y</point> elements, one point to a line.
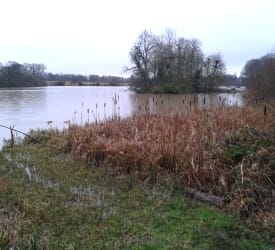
<point>45,107</point>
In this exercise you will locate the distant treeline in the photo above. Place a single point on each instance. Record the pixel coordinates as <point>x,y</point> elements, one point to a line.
<point>96,79</point>
<point>259,75</point>
<point>13,74</point>
<point>233,80</point>
<point>170,64</point>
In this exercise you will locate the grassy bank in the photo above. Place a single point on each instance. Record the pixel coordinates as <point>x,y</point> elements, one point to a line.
<point>119,184</point>
<point>49,201</point>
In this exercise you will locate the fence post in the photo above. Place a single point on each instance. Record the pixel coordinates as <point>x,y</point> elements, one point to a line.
<point>12,136</point>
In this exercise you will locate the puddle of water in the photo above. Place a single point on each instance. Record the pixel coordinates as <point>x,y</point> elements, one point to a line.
<point>86,195</point>
<point>94,195</point>
<point>28,172</point>
<point>31,173</point>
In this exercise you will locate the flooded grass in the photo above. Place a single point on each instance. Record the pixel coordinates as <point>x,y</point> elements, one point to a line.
<point>50,201</point>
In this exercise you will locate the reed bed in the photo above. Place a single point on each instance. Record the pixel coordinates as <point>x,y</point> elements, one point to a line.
<point>228,152</point>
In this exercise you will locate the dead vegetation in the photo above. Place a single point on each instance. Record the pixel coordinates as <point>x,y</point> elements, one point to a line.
<point>228,152</point>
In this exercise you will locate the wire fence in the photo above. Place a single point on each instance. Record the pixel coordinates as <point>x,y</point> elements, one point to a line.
<point>12,140</point>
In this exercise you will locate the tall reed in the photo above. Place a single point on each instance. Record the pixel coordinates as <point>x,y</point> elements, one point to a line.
<point>191,146</point>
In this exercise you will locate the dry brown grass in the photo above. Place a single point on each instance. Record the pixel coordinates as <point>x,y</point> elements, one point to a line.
<point>191,146</point>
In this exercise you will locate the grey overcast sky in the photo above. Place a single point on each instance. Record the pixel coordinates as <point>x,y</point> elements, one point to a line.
<point>87,36</point>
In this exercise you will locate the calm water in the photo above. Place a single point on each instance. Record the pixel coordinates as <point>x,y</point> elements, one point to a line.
<point>44,107</point>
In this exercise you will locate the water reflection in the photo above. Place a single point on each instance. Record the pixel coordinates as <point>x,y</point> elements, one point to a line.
<point>46,107</point>
<point>181,103</point>
<point>18,99</point>
<point>20,107</point>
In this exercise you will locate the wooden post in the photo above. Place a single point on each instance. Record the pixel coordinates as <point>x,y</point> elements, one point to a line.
<point>12,136</point>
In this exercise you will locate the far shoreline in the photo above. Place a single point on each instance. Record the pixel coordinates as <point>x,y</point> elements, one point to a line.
<point>220,89</point>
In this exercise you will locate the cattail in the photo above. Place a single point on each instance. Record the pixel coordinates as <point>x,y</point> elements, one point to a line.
<point>81,111</point>
<point>224,99</point>
<point>88,111</point>
<point>104,110</point>
<point>73,119</point>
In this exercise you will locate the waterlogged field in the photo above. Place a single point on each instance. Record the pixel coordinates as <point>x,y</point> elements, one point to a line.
<point>120,183</point>
<point>50,201</point>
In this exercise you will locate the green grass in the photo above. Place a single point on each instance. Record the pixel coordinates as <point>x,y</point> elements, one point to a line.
<point>49,201</point>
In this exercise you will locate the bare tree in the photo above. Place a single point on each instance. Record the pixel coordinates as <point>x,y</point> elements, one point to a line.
<point>167,60</point>
<point>14,74</point>
<point>213,71</point>
<point>142,55</point>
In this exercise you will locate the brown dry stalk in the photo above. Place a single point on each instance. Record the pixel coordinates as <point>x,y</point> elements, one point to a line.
<point>182,144</point>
